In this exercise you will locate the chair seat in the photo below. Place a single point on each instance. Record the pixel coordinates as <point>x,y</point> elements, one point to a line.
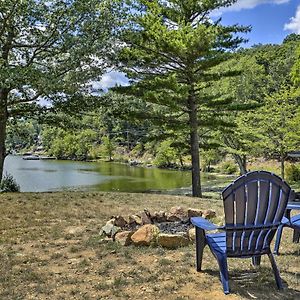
<point>217,242</point>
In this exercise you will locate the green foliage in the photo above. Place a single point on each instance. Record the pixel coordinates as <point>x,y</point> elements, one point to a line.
<point>296,69</point>
<point>227,167</point>
<point>22,134</point>
<point>9,184</point>
<point>67,144</point>
<point>107,147</point>
<point>209,157</point>
<point>166,155</point>
<point>292,173</point>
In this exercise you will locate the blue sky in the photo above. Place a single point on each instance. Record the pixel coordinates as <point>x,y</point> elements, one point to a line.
<point>271,21</point>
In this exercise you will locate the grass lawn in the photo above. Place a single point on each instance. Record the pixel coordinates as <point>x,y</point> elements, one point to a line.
<point>50,249</point>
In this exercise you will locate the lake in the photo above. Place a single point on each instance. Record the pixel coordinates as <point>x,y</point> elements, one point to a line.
<point>59,175</point>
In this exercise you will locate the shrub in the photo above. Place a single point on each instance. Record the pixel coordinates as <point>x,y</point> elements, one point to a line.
<point>292,173</point>
<point>166,154</point>
<point>228,167</point>
<point>9,184</point>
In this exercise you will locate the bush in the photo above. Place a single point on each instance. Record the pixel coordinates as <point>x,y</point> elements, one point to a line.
<point>166,155</point>
<point>292,173</point>
<point>9,184</point>
<point>228,167</point>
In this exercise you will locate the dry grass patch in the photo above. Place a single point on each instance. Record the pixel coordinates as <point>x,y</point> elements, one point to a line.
<point>50,249</point>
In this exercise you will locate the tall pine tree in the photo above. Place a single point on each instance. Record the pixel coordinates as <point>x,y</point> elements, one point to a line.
<point>169,51</point>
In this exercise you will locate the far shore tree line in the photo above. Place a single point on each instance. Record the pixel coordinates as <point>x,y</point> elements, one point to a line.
<point>194,93</point>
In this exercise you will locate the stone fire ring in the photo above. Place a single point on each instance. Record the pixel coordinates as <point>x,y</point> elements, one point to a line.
<point>171,229</point>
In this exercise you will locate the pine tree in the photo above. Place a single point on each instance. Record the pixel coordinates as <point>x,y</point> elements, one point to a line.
<point>170,49</point>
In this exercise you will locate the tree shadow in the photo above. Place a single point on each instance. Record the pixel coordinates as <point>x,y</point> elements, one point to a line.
<point>257,283</point>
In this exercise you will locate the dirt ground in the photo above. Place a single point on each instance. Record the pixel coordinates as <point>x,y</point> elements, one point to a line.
<point>50,248</point>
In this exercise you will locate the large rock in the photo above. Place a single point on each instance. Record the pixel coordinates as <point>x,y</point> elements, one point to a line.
<point>145,236</point>
<point>192,212</point>
<point>124,237</point>
<point>177,213</point>
<point>172,241</point>
<point>208,214</point>
<point>159,217</point>
<point>109,229</point>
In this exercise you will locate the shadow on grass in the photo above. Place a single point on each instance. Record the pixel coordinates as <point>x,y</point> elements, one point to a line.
<point>258,283</point>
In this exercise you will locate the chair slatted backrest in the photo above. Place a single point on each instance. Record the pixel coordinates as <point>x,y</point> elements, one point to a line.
<point>254,205</point>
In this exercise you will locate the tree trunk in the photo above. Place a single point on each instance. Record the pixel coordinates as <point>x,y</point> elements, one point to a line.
<point>242,163</point>
<point>194,144</point>
<point>3,121</point>
<point>282,159</point>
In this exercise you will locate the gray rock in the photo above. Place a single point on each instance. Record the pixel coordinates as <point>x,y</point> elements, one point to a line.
<point>109,229</point>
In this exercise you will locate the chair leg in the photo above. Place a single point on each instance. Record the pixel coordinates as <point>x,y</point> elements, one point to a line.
<point>256,260</point>
<point>222,261</point>
<point>278,239</point>
<point>200,244</point>
<point>296,236</point>
<point>276,271</point>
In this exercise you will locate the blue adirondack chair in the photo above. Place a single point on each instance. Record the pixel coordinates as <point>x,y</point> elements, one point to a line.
<point>254,206</point>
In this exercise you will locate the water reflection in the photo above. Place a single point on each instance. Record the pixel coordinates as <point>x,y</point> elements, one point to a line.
<point>54,175</point>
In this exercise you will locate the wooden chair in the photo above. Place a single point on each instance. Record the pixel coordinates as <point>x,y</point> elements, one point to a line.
<point>254,206</point>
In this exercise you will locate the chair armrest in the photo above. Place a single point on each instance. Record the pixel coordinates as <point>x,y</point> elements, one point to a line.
<point>204,224</point>
<point>285,221</point>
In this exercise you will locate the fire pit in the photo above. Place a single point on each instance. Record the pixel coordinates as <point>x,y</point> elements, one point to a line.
<point>167,229</point>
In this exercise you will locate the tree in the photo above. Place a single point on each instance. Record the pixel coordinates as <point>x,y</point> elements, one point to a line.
<point>108,147</point>
<point>49,52</point>
<point>169,51</point>
<point>267,72</point>
<point>276,121</point>
<point>296,69</point>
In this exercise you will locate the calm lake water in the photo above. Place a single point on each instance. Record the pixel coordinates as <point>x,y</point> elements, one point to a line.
<point>56,175</point>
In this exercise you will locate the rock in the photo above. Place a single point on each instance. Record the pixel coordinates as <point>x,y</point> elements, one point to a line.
<point>192,212</point>
<point>208,214</point>
<point>145,235</point>
<point>134,219</point>
<point>159,217</point>
<point>124,237</point>
<point>172,241</point>
<point>172,218</point>
<point>192,234</point>
<point>109,229</point>
<point>146,217</point>
<point>120,221</point>
<point>176,213</point>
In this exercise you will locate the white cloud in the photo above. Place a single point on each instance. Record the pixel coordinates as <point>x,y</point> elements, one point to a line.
<point>247,4</point>
<point>109,80</point>
<point>294,24</point>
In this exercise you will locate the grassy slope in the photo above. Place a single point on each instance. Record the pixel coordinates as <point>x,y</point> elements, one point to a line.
<point>50,249</point>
